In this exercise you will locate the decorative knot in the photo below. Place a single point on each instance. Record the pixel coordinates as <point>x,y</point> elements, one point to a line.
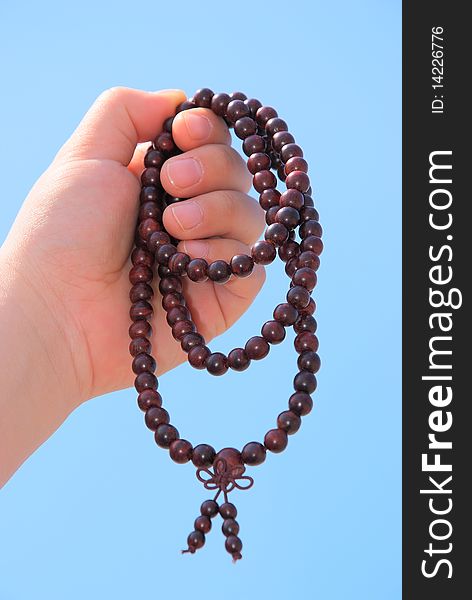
<point>224,478</point>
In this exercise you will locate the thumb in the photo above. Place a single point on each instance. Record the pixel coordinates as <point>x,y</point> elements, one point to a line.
<point>119,119</point>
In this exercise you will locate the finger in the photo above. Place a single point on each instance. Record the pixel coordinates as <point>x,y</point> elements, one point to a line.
<point>224,213</point>
<point>197,126</point>
<point>206,169</point>
<point>136,164</point>
<point>118,120</point>
<point>226,303</point>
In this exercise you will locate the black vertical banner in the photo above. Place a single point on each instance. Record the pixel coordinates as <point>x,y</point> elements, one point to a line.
<point>437,263</point>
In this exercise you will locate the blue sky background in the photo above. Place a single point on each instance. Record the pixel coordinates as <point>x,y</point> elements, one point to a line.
<point>99,511</point>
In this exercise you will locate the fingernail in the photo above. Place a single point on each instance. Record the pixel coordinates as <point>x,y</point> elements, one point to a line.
<point>184,172</point>
<point>198,126</point>
<point>196,248</point>
<point>188,214</point>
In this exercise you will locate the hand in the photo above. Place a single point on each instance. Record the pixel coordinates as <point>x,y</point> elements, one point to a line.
<point>69,247</point>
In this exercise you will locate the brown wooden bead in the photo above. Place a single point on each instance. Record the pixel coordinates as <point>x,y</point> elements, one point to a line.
<point>230,526</point>
<point>150,193</point>
<point>271,215</point>
<point>245,127</point>
<point>289,151</point>
<point>171,300</point>
<point>181,328</point>
<point>257,348</point>
<point>178,263</point>
<point>273,332</point>
<point>180,451</point>
<point>298,180</point>
<point>309,361</point>
<point>156,240</point>
<point>165,435</point>
<point>269,198</point>
<point>291,266</point>
<point>281,139</point>
<point>219,103</point>
<point>219,271</point>
<point>164,143</point>
<point>310,309</point>
<point>140,274</point>
<point>190,340</point>
<point>309,259</point>
<point>139,256</point>
<point>274,125</point>
<point>140,329</point>
<point>253,144</point>
<point>228,510</point>
<point>203,455</point>
<point>209,508</point>
<point>290,249</point>
<point>308,213</point>
<point>304,381</point>
<point>139,345</point>
<point>234,546</point>
<point>292,198</point>
<point>202,523</point>
<point>197,269</point>
<point>155,416</point>
<point>233,458</point>
<point>217,363</point>
<point>296,163</point>
<point>285,314</point>
<point>253,105</point>
<point>235,110</point>
<point>238,96</point>
<point>300,403</point>
<point>140,310</point>
<point>276,233</point>
<point>141,291</point>
<point>164,252</point>
<point>264,180</point>
<point>289,422</point>
<point>242,265</point>
<point>145,381</point>
<point>298,296</point>
<point>306,341</point>
<point>150,176</point>
<point>143,362</point>
<point>195,540</point>
<point>312,244</point>
<point>170,283</point>
<point>264,114</point>
<point>238,360</point>
<point>154,158</point>
<point>203,97</point>
<point>253,453</point>
<point>263,252</point>
<point>305,323</point>
<point>149,398</point>
<point>276,440</point>
<point>259,161</point>
<point>288,216</point>
<point>309,228</point>
<point>198,356</point>
<point>305,277</point>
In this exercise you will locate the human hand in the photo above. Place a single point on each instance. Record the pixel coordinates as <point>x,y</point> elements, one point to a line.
<point>71,241</point>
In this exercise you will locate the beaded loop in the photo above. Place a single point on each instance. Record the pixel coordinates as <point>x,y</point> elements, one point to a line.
<point>270,148</point>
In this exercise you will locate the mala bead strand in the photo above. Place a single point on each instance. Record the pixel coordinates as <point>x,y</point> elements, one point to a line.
<point>272,155</point>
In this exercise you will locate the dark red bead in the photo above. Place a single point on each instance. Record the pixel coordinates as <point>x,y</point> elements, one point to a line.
<point>170,283</point>
<point>141,291</point>
<point>198,355</point>
<point>140,310</point>
<point>298,180</point>
<point>165,435</point>
<point>312,244</point>
<point>308,259</point>
<point>164,252</point>
<point>234,546</point>
<point>296,163</point>
<point>209,508</point>
<point>165,143</point>
<point>181,328</point>
<point>235,110</point>
<point>306,341</point>
<point>310,309</point>
<point>150,210</point>
<point>140,328</point>
<point>305,277</point>
<point>230,527</point>
<point>203,97</point>
<point>289,151</point>
<point>145,381</point>
<point>264,180</point>
<point>263,252</point>
<point>257,348</point>
<point>245,127</point>
<point>219,103</point>
<point>288,250</point>
<point>288,216</point>
<point>289,422</point>
<point>150,194</point>
<point>291,266</point>
<point>219,271</point>
<point>253,453</point>
<point>140,274</point>
<point>309,211</point>
<point>167,125</point>
<point>156,240</point>
<point>300,403</point>
<point>178,263</point>
<point>304,381</point>
<point>276,233</point>
<point>238,360</point>
<point>253,144</point>
<point>195,540</point>
<point>139,345</point>
<point>143,362</point>
<point>177,313</point>
<point>305,323</point>
<point>191,340</point>
<point>202,523</point>
<point>308,228</point>
<point>180,451</point>
<point>155,416</point>
<point>264,114</point>
<point>228,510</point>
<point>259,161</point>
<point>217,363</point>
<point>232,457</point>
<point>292,198</point>
<point>171,300</point>
<point>197,270</point>
<point>298,296</point>
<point>203,456</point>
<point>253,105</point>
<point>276,440</point>
<point>269,198</point>
<point>238,96</point>
<point>150,177</point>
<point>242,265</point>
<point>271,215</point>
<point>149,398</point>
<point>281,139</point>
<point>139,256</point>
<point>274,125</point>
<point>285,314</point>
<point>273,332</point>
<point>309,361</point>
